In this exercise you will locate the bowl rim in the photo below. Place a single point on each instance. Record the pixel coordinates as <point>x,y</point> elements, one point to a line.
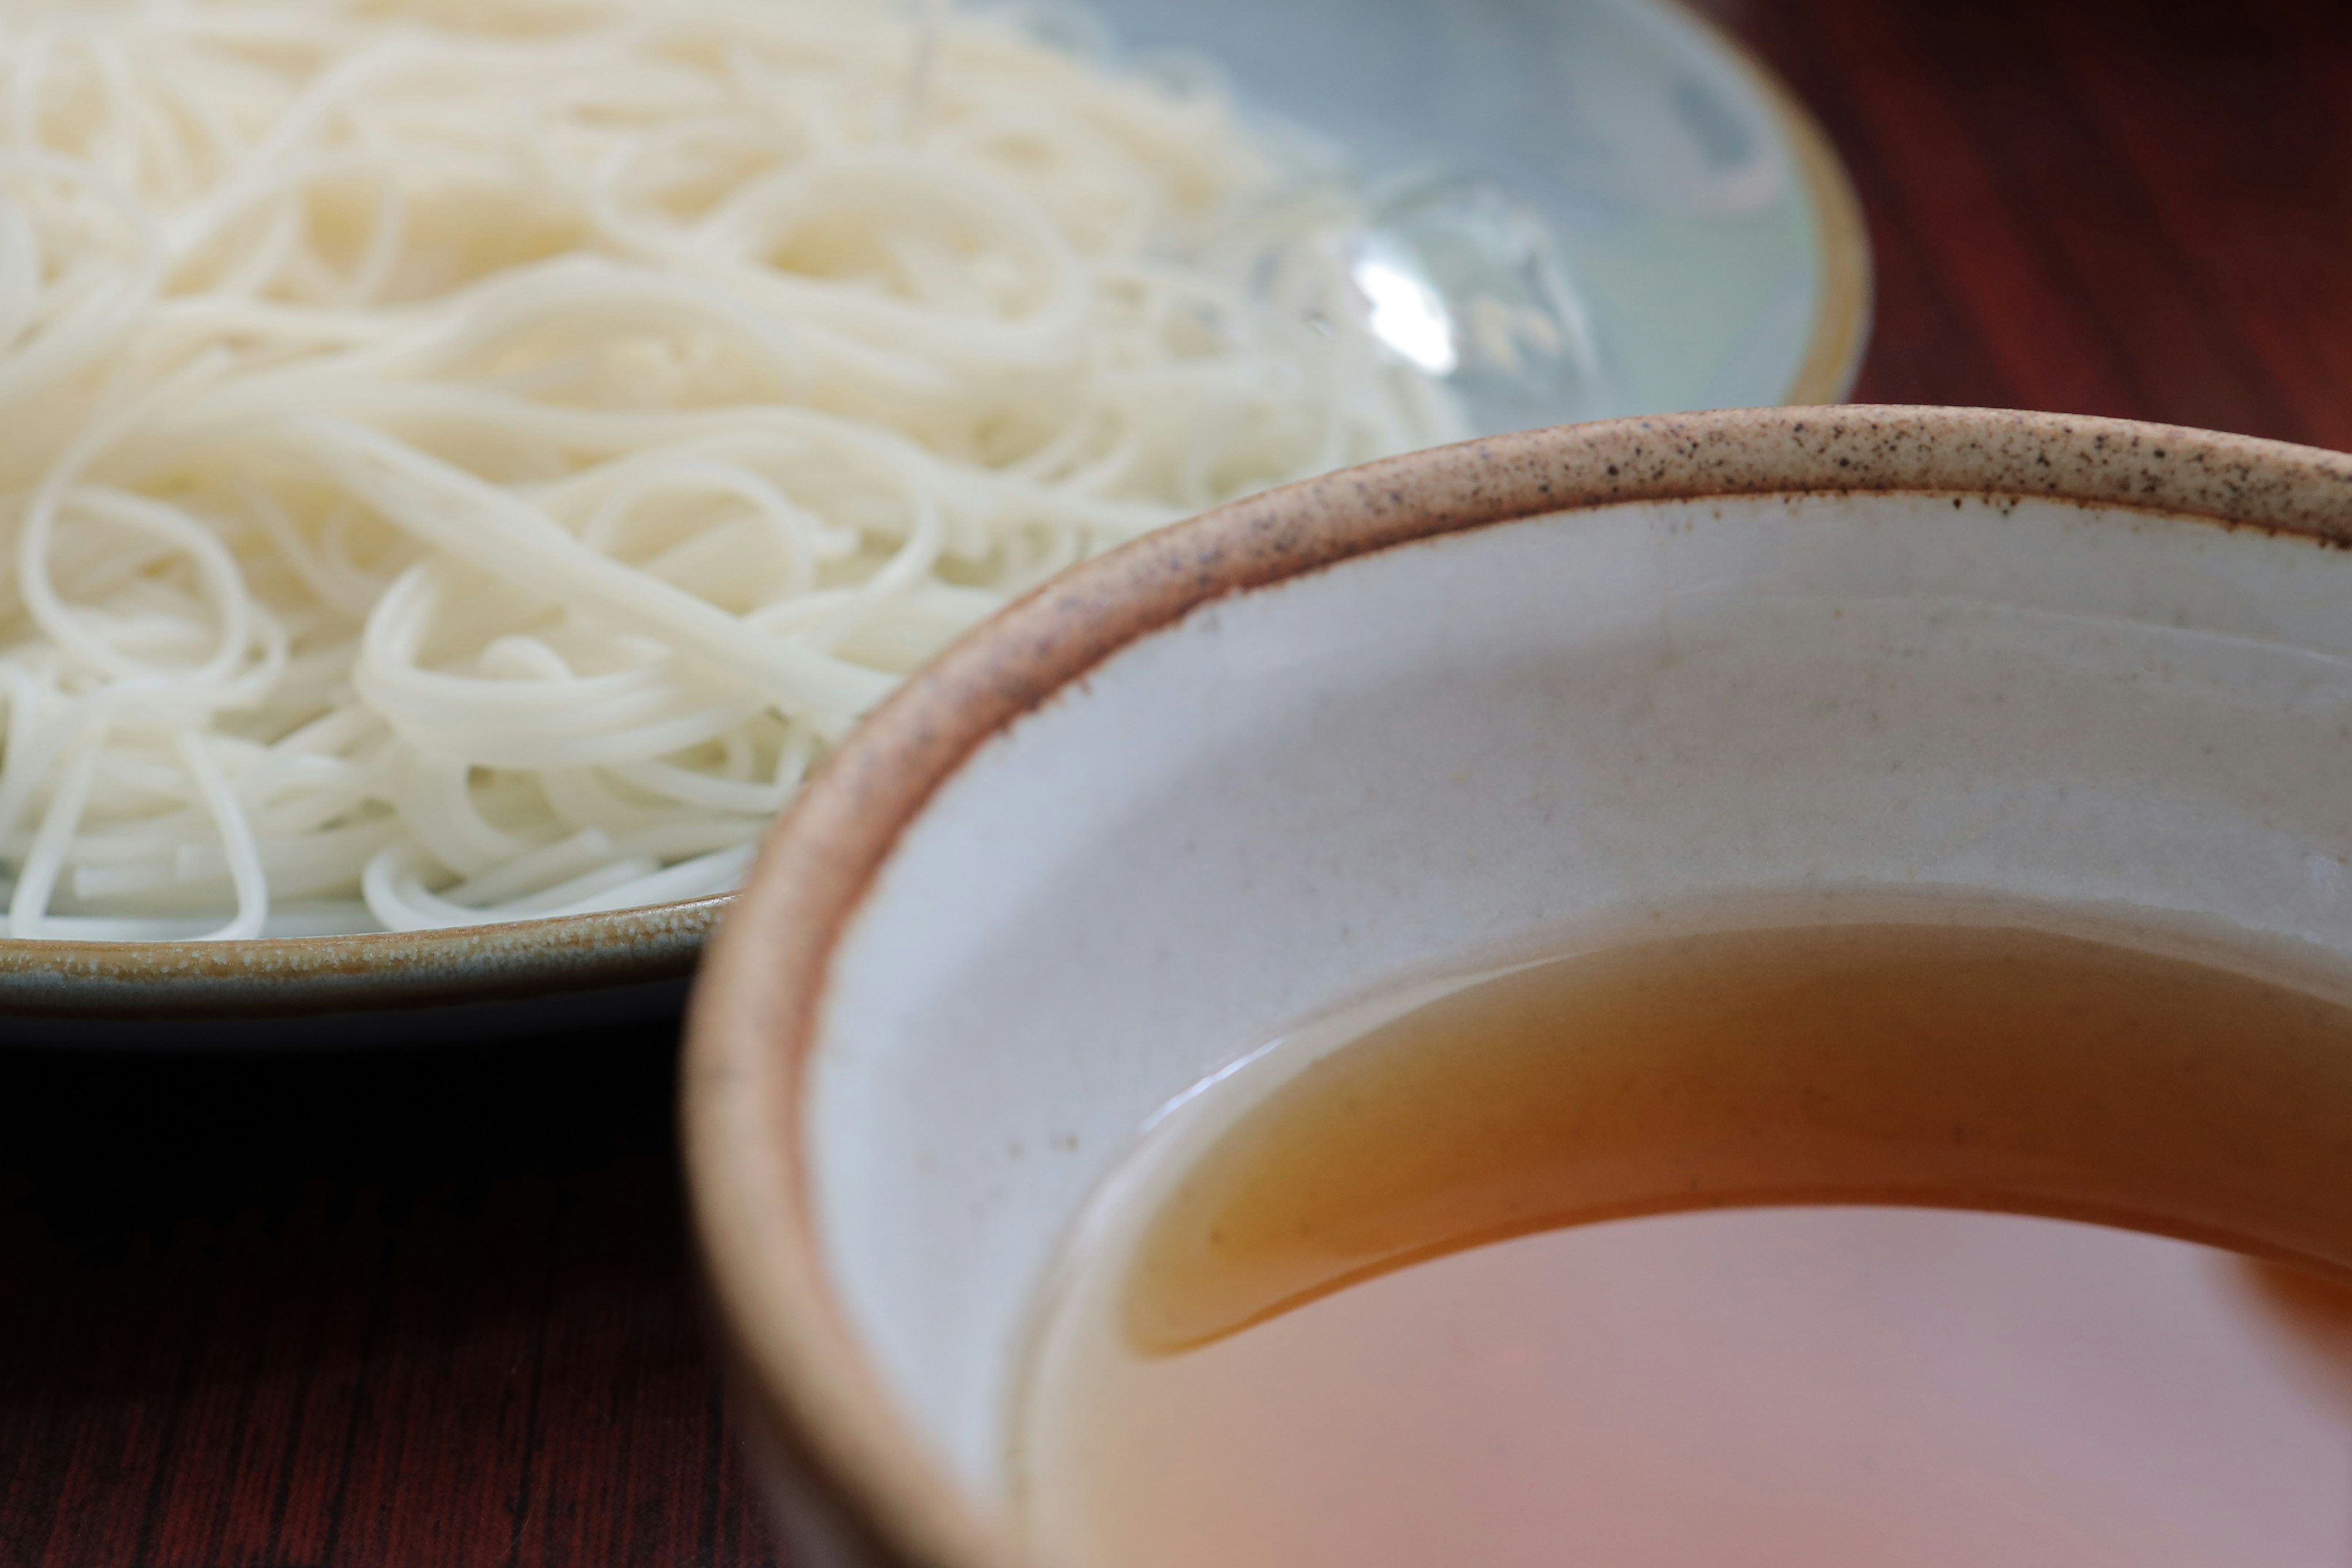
<point>753,1021</point>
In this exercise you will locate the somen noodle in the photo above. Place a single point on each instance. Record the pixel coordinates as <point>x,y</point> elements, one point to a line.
<point>466,461</point>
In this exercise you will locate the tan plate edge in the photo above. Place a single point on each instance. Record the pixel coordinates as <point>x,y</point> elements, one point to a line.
<point>1841,322</point>
<point>1842,308</point>
<point>294,976</point>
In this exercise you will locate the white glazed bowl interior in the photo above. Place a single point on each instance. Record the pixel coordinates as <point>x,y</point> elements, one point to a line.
<point>1295,794</point>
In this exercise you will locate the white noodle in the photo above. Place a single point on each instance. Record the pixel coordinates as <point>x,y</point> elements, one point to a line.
<point>468,458</point>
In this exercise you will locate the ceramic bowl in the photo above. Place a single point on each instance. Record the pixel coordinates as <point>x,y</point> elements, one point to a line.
<point>1385,722</point>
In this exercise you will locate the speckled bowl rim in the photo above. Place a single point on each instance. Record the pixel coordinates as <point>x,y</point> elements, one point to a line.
<point>289,977</point>
<point>809,1392</point>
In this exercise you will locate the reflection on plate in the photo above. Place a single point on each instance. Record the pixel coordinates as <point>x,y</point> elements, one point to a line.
<point>1713,242</point>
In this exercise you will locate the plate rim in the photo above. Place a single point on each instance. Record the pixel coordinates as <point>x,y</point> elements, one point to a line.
<point>1845,296</point>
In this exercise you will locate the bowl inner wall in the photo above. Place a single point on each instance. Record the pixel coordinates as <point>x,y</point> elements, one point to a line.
<point>1443,750</point>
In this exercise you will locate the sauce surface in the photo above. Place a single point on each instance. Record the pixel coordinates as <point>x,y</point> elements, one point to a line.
<point>1923,1244</point>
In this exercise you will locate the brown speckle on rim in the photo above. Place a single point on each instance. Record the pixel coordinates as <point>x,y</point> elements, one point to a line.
<point>755,1016</point>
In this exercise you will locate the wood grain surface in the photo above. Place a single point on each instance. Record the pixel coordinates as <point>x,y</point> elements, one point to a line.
<point>430,1309</point>
<point>2133,207</point>
<point>423,1308</point>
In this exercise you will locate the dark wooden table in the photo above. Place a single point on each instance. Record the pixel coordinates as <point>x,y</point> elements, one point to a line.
<point>433,1311</point>
<point>2134,207</point>
<point>428,1310</point>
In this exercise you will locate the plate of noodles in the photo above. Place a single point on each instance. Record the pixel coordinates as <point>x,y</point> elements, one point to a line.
<point>467,461</point>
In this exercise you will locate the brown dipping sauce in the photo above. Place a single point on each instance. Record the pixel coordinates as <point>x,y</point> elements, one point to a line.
<point>1914,1245</point>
